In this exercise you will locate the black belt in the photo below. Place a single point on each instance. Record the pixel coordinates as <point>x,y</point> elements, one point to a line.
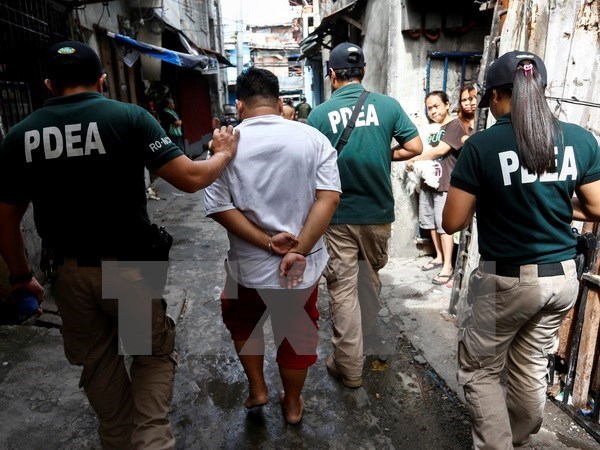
<point>510,270</point>
<point>83,261</point>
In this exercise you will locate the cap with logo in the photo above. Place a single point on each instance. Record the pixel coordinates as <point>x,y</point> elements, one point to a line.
<point>502,72</point>
<point>72,61</point>
<point>346,56</point>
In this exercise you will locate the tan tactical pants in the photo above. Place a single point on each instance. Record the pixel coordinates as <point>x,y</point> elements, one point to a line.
<point>513,322</point>
<point>357,253</point>
<point>132,411</point>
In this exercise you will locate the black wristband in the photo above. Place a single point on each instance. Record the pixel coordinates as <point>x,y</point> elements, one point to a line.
<point>20,279</point>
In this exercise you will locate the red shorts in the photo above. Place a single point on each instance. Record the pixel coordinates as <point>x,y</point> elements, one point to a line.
<point>293,314</point>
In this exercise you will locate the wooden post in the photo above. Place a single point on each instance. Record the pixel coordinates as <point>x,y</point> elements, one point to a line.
<point>587,345</point>
<point>577,378</point>
<point>596,388</point>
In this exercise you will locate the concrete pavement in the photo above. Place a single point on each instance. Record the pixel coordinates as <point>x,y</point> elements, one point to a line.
<point>408,402</point>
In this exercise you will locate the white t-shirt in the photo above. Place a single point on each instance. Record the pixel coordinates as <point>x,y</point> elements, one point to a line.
<point>273,179</point>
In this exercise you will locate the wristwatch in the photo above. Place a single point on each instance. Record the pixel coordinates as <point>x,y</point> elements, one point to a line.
<point>270,247</point>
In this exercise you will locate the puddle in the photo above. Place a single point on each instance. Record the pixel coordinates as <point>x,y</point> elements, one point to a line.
<point>225,395</point>
<point>409,382</point>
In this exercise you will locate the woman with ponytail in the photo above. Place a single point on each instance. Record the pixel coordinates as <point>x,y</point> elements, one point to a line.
<point>519,176</point>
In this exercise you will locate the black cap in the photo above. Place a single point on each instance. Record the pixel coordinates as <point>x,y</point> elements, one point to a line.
<point>502,72</point>
<point>345,56</point>
<point>72,61</point>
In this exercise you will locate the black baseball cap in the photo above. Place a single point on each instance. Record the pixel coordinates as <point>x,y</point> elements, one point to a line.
<point>346,56</point>
<point>502,72</point>
<point>72,61</point>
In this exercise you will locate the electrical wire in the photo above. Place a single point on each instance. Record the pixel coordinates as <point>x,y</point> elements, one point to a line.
<point>104,8</point>
<point>574,101</point>
<point>142,15</point>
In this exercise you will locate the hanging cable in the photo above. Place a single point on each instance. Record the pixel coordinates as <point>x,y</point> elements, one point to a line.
<point>104,8</point>
<point>574,101</point>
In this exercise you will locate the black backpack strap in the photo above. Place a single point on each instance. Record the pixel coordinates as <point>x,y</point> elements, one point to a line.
<point>350,126</point>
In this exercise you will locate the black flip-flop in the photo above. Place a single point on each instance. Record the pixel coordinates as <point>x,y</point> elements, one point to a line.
<point>432,264</point>
<point>446,278</point>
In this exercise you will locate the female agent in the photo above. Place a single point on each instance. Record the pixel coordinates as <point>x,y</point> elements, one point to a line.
<point>519,175</point>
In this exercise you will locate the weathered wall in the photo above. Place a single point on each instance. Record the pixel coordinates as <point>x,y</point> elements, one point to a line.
<point>376,23</point>
<point>101,15</point>
<point>396,66</point>
<point>327,7</point>
<point>566,35</point>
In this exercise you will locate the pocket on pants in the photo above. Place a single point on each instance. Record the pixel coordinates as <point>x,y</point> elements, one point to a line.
<point>329,274</point>
<point>464,376</point>
<point>163,332</point>
<point>381,236</point>
<point>472,400</point>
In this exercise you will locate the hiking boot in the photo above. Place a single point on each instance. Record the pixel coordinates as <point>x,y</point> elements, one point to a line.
<point>351,383</point>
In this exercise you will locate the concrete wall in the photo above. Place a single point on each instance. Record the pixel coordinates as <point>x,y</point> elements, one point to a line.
<point>194,20</point>
<point>96,13</point>
<point>566,35</point>
<point>396,66</point>
<point>328,7</point>
<point>187,16</point>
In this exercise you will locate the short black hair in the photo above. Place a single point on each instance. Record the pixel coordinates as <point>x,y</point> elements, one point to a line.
<point>350,74</point>
<point>255,82</point>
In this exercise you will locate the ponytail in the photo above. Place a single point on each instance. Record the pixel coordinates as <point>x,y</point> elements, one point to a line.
<point>537,130</point>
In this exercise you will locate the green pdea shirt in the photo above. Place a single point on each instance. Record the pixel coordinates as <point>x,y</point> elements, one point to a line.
<point>524,218</point>
<point>365,162</point>
<point>80,159</point>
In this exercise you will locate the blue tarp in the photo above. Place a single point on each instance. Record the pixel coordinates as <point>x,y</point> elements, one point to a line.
<point>170,56</point>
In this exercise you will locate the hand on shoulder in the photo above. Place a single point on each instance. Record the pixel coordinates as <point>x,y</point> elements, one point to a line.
<point>225,140</point>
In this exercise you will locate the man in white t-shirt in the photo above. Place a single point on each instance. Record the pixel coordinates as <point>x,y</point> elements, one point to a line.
<point>275,199</point>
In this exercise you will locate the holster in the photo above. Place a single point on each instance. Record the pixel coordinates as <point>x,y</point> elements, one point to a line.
<point>586,245</point>
<point>158,243</point>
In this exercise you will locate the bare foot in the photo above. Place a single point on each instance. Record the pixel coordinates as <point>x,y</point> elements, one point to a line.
<point>256,401</point>
<point>291,413</point>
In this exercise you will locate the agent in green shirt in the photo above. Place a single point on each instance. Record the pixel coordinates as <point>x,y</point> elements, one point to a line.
<point>302,109</point>
<point>80,160</point>
<point>358,235</point>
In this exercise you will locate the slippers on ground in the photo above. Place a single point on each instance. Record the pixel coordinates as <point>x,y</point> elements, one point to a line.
<point>442,279</point>
<point>294,420</point>
<point>431,265</point>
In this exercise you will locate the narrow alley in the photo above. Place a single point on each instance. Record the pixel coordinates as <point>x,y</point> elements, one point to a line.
<point>92,118</point>
<point>402,404</point>
<point>407,402</point>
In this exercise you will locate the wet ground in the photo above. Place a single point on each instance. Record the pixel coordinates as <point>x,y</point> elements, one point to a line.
<point>404,402</point>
